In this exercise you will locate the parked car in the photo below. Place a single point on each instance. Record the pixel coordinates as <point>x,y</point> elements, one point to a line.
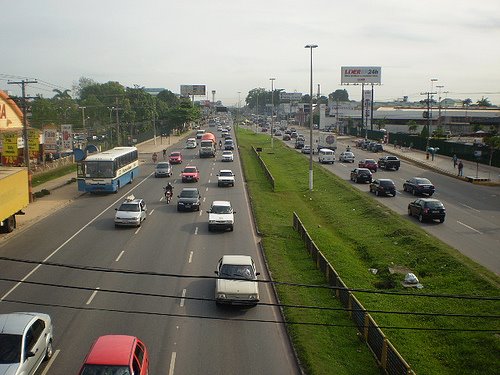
<point>25,342</point>
<point>225,177</point>
<point>190,174</point>
<point>163,169</point>
<point>419,186</point>
<point>175,157</point>
<point>236,283</point>
<point>189,200</point>
<point>361,175</point>
<point>132,212</point>
<point>220,216</point>
<point>427,209</point>
<point>116,354</point>
<point>227,155</point>
<point>383,186</point>
<point>371,164</point>
<point>347,157</point>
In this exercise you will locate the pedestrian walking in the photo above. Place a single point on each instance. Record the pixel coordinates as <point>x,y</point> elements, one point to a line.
<point>455,160</point>
<point>460,168</point>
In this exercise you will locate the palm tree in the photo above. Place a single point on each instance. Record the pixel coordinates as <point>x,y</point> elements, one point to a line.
<point>61,94</point>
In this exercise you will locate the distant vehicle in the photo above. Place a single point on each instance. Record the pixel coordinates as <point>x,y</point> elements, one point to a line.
<point>419,186</point>
<point>361,175</point>
<point>189,200</point>
<point>389,162</point>
<point>191,143</point>
<point>228,144</point>
<point>109,170</point>
<point>132,212</point>
<point>236,284</point>
<point>371,164</point>
<point>163,169</point>
<point>325,155</point>
<point>293,135</point>
<point>225,177</point>
<point>278,133</point>
<point>175,157</point>
<point>220,216</point>
<point>427,209</point>
<point>299,144</point>
<point>227,155</point>
<point>347,157</point>
<point>383,186</point>
<point>307,150</point>
<point>116,354</point>
<point>25,342</point>
<point>327,140</point>
<point>207,146</point>
<point>286,137</point>
<point>377,147</point>
<point>199,133</point>
<point>190,174</point>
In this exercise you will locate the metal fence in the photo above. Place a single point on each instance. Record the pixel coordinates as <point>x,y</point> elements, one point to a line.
<point>385,353</point>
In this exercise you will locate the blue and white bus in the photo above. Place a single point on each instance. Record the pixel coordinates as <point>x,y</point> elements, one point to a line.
<point>108,171</point>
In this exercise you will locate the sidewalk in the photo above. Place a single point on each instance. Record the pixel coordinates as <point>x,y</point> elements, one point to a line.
<point>63,190</point>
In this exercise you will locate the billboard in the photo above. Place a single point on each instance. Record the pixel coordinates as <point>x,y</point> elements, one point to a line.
<point>188,90</point>
<point>360,74</point>
<point>295,96</point>
<point>67,136</point>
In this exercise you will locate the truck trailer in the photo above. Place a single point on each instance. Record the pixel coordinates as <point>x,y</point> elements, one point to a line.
<point>14,196</point>
<point>207,146</point>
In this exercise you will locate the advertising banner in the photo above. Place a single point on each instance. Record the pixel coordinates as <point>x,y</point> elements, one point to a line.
<point>368,107</point>
<point>33,143</point>
<point>188,90</point>
<point>360,74</point>
<point>49,139</point>
<point>294,96</point>
<point>67,136</point>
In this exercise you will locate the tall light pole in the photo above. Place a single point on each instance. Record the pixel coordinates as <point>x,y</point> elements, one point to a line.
<point>439,87</point>
<point>430,111</point>
<point>239,103</point>
<point>272,111</point>
<point>213,102</point>
<point>311,46</point>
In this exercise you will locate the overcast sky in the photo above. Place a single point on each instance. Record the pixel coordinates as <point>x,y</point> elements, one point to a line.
<point>233,46</point>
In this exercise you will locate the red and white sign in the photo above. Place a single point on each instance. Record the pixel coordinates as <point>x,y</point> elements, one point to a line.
<point>361,74</point>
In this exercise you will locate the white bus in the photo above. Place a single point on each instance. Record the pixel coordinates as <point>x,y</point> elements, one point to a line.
<point>108,171</point>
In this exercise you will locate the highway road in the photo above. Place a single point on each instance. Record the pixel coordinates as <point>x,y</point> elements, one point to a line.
<point>472,223</point>
<point>183,335</point>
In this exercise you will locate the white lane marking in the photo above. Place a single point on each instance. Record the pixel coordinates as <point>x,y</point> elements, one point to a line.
<point>190,257</point>
<point>196,230</point>
<point>469,207</point>
<point>204,199</point>
<point>153,210</point>
<point>211,174</point>
<point>137,230</point>
<point>206,188</point>
<point>73,236</point>
<point>208,180</point>
<point>465,225</point>
<point>201,212</point>
<point>172,364</point>
<point>47,368</point>
<point>119,256</point>
<point>92,296</point>
<point>183,298</point>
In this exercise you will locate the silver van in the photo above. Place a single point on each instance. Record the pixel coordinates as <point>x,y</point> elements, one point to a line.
<point>326,155</point>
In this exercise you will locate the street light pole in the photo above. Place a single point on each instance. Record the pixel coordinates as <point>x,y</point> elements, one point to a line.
<point>272,112</point>
<point>311,46</point>
<point>439,87</point>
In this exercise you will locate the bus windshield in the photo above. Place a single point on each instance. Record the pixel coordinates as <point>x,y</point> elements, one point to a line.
<point>99,169</point>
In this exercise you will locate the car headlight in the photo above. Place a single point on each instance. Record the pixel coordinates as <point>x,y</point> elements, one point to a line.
<point>253,297</point>
<point>180,203</point>
<point>221,296</point>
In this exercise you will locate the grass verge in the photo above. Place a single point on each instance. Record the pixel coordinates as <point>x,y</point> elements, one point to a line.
<point>356,233</point>
<point>52,174</point>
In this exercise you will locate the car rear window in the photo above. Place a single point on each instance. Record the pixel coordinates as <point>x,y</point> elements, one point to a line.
<point>386,183</point>
<point>434,204</point>
<point>105,370</point>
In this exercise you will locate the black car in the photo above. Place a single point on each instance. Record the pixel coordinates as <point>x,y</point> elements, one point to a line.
<point>189,200</point>
<point>361,175</point>
<point>427,209</point>
<point>299,144</point>
<point>383,186</point>
<point>419,186</point>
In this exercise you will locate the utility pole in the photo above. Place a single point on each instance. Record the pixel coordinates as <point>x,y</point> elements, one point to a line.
<point>272,112</point>
<point>83,117</point>
<point>26,153</point>
<point>429,115</point>
<point>118,137</point>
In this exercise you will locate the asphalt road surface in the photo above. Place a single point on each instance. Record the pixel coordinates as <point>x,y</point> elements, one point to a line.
<point>183,335</point>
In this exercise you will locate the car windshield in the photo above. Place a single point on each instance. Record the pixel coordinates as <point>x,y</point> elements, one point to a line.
<point>189,194</point>
<point>162,166</point>
<point>225,173</point>
<point>10,348</point>
<point>190,170</point>
<point>422,181</point>
<point>227,153</point>
<point>129,207</point>
<point>105,370</point>
<point>221,209</point>
<point>237,271</point>
<point>370,161</point>
<point>175,154</point>
<point>362,171</point>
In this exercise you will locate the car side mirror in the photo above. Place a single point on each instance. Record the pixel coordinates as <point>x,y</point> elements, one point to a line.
<point>30,354</point>
<point>116,209</point>
<point>208,211</point>
<point>216,272</point>
<point>257,273</point>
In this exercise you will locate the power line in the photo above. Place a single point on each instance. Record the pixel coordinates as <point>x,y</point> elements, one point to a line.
<point>149,273</point>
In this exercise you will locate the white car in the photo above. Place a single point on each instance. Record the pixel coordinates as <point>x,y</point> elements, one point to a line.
<point>221,216</point>
<point>25,342</point>
<point>132,212</point>
<point>191,143</point>
<point>236,284</point>
<point>225,177</point>
<point>346,157</point>
<point>227,155</point>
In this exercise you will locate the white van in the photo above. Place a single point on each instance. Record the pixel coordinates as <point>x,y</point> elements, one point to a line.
<point>326,156</point>
<point>199,133</point>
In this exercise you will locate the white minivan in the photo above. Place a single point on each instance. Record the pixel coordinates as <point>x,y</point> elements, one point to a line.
<point>326,156</point>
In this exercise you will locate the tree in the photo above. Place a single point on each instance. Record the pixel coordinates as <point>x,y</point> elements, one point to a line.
<point>168,97</point>
<point>466,102</point>
<point>425,132</point>
<point>412,126</point>
<point>484,102</point>
<point>257,99</point>
<point>340,95</point>
<point>494,145</point>
<point>61,94</point>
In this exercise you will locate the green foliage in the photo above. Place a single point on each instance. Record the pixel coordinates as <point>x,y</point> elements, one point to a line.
<point>484,102</point>
<point>412,126</point>
<point>425,132</point>
<point>340,95</point>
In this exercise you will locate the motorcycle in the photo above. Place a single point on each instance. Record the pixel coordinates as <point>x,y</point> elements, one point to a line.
<point>168,195</point>
<point>154,158</point>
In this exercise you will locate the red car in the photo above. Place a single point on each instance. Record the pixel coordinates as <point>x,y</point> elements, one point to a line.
<point>190,174</point>
<point>175,157</point>
<point>116,354</point>
<point>371,164</point>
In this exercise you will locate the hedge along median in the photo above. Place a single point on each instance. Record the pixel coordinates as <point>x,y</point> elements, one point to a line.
<point>355,233</point>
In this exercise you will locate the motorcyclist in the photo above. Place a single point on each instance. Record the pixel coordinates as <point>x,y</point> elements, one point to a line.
<point>220,144</point>
<point>169,190</point>
<point>155,157</point>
